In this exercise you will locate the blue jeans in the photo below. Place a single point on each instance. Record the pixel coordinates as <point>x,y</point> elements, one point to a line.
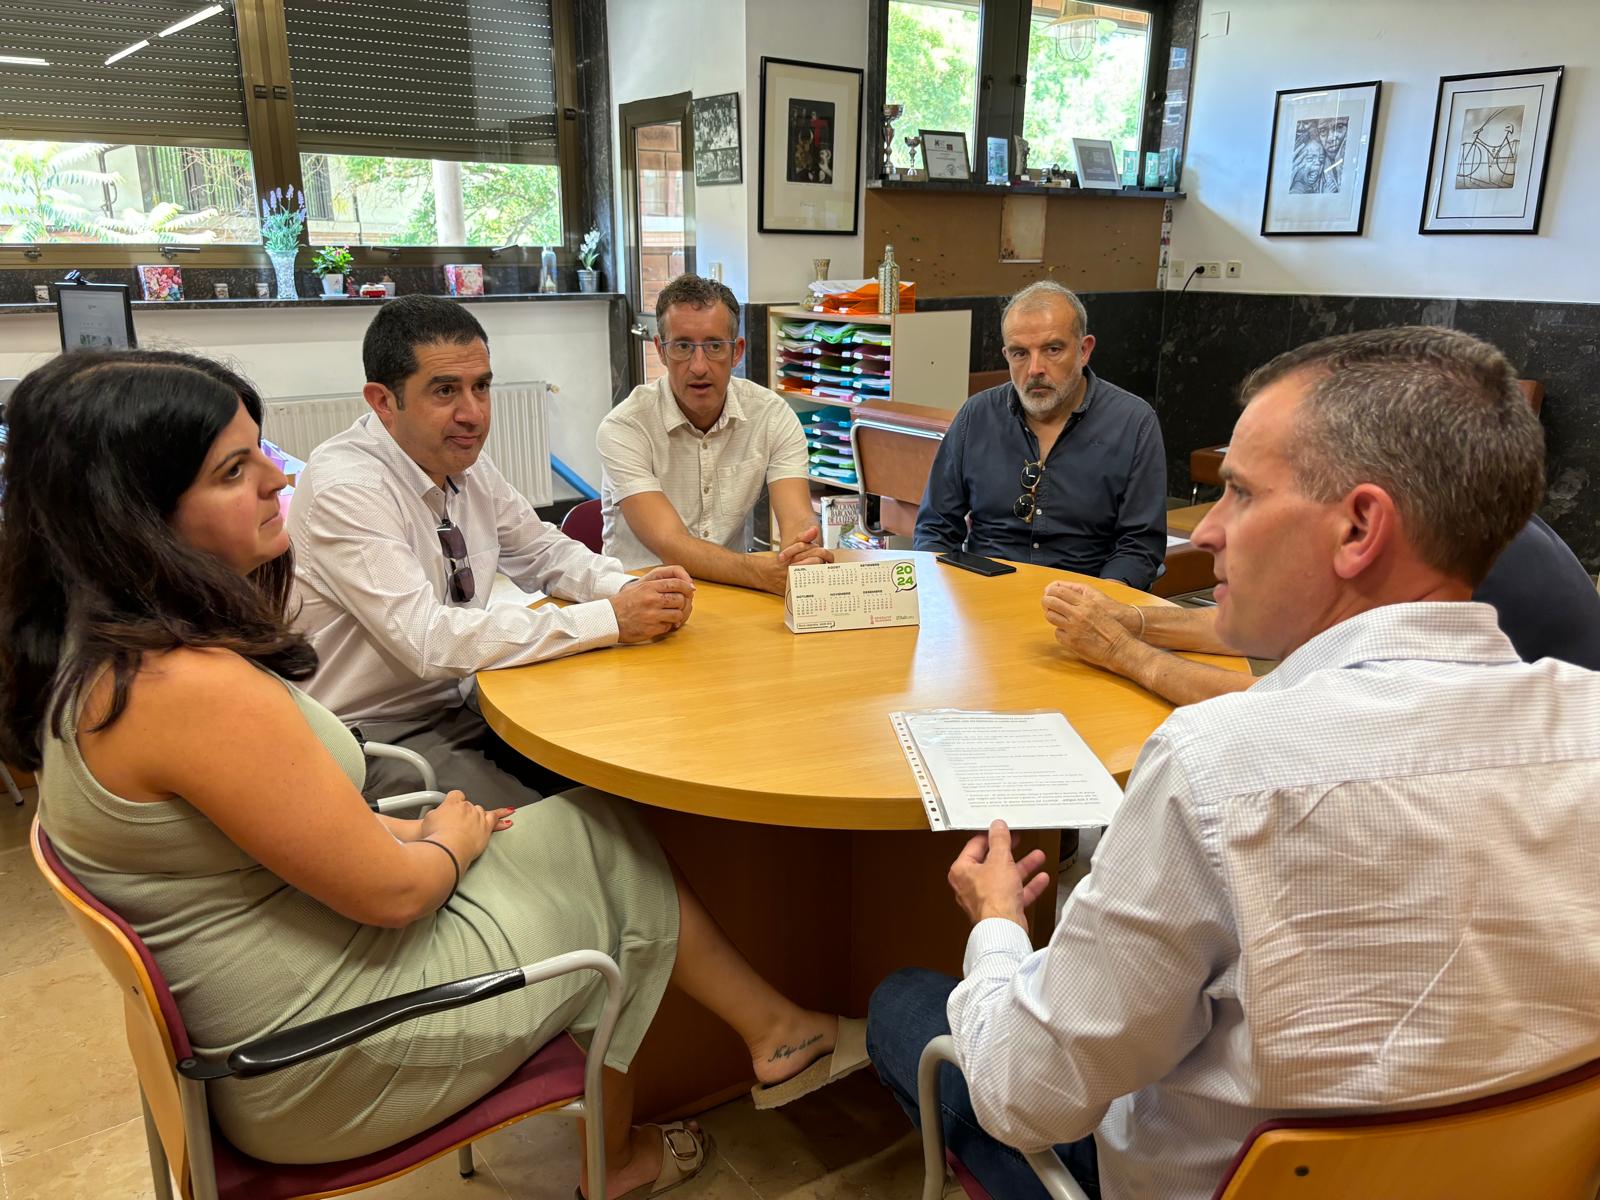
<point>907,1012</point>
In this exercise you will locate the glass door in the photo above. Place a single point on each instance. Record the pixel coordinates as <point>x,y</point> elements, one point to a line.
<point>658,199</point>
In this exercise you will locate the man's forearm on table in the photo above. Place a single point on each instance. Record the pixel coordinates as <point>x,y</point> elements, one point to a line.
<point>1176,680</point>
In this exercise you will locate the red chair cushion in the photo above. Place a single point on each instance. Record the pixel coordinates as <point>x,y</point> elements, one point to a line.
<point>552,1077</point>
<point>968,1181</point>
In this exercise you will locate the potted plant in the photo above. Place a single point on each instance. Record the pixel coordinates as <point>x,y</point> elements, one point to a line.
<point>283,216</point>
<point>588,255</point>
<point>331,262</point>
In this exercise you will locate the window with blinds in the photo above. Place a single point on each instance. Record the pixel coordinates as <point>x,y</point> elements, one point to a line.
<point>463,80</point>
<point>119,71</point>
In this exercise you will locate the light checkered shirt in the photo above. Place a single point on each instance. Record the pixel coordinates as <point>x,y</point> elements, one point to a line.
<point>371,579</point>
<point>1372,881</point>
<point>713,479</point>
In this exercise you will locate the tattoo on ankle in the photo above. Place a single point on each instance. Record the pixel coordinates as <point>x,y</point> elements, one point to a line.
<point>786,1051</point>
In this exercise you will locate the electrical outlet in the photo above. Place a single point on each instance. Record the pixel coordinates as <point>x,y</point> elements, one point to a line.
<point>1210,270</point>
<point>1234,268</point>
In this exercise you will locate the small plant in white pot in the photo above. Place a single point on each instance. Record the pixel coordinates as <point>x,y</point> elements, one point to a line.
<point>588,255</point>
<point>332,262</point>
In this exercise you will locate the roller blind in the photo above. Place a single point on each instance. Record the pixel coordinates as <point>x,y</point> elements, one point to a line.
<point>472,80</point>
<point>182,89</point>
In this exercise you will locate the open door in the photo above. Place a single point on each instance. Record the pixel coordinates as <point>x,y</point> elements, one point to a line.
<point>658,213</point>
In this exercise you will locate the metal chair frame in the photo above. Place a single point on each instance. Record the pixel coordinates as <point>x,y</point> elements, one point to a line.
<point>1053,1174</point>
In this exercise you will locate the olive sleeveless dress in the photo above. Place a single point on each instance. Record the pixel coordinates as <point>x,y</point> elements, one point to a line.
<point>245,954</point>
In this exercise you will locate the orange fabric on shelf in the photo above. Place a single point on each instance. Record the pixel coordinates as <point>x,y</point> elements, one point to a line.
<point>864,300</point>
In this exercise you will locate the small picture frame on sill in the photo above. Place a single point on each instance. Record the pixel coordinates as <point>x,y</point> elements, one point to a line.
<point>1097,164</point>
<point>945,153</point>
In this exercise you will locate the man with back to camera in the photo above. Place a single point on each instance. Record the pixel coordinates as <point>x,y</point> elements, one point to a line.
<point>399,525</point>
<point>1057,467</point>
<point>1364,885</point>
<point>685,457</point>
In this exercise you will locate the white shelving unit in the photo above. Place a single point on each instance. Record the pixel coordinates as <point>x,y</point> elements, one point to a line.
<point>927,352</point>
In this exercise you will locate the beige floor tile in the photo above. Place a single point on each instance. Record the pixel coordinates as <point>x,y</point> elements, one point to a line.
<point>892,1174</point>
<point>111,1163</point>
<point>783,1150</point>
<point>14,821</point>
<point>438,1181</point>
<point>538,1160</point>
<point>36,929</point>
<point>65,1059</point>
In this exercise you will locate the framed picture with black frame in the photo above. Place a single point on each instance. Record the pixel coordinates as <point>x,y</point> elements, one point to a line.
<point>1490,156</point>
<point>1319,162</point>
<point>94,316</point>
<point>810,162</point>
<point>718,150</point>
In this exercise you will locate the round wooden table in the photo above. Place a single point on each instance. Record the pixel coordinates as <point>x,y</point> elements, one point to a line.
<point>734,716</point>
<point>774,778</point>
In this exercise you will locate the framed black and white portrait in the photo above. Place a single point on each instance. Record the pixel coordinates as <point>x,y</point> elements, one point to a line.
<point>718,152</point>
<point>810,148</point>
<point>1319,163</point>
<point>1491,151</point>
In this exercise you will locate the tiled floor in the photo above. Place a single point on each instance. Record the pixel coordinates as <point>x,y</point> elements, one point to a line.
<point>69,1106</point>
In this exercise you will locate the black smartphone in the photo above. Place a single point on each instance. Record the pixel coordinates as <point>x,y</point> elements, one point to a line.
<point>976,563</point>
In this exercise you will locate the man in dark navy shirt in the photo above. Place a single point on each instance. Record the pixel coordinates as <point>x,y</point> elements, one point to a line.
<point>1057,467</point>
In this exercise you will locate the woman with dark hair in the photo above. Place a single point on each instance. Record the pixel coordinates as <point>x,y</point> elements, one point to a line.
<point>145,664</point>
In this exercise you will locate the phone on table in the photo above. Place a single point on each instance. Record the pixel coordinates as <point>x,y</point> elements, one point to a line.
<point>976,563</point>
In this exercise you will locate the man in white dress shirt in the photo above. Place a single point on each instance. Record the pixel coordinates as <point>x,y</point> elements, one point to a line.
<point>1365,884</point>
<point>685,457</point>
<point>399,525</point>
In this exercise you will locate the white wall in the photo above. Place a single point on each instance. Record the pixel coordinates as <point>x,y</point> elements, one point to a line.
<point>314,351</point>
<point>821,31</point>
<point>705,47</point>
<point>1273,44</point>
<point>660,48</point>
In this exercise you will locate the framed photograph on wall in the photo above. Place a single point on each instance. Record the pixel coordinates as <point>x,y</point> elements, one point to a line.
<point>1319,162</point>
<point>1491,151</point>
<point>1097,163</point>
<point>945,154</point>
<point>718,152</point>
<point>810,148</point>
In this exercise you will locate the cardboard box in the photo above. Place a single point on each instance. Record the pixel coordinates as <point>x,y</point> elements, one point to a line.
<point>851,595</point>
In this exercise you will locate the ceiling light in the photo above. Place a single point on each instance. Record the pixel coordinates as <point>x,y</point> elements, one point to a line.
<point>127,50</point>
<point>204,14</point>
<point>23,62</point>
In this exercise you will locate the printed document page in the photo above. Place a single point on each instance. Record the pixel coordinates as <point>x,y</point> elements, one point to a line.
<point>1030,770</point>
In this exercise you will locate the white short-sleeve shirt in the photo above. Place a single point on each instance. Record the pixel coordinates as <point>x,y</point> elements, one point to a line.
<point>712,479</point>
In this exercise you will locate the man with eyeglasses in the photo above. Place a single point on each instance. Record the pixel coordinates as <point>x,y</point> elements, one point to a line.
<point>399,525</point>
<point>1057,467</point>
<point>685,457</point>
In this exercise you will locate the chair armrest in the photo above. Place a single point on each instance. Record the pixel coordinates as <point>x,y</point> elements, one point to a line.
<point>1055,1177</point>
<point>422,801</point>
<point>430,781</point>
<point>327,1034</point>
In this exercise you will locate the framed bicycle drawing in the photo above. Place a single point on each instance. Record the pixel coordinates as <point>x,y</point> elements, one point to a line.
<point>1491,151</point>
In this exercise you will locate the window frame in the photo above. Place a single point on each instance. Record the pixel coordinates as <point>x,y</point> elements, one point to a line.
<point>1004,28</point>
<point>275,159</point>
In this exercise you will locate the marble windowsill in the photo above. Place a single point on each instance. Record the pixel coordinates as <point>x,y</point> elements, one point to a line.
<point>981,187</point>
<point>318,301</point>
